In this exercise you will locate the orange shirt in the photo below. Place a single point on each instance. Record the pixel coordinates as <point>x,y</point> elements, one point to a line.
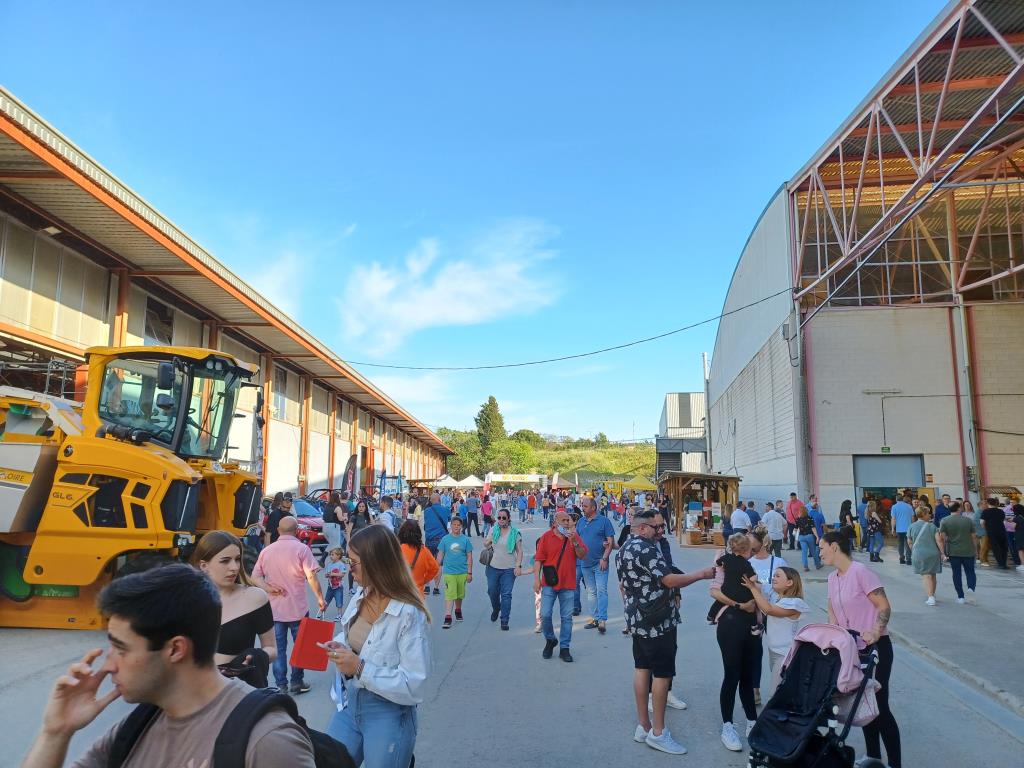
<point>426,567</point>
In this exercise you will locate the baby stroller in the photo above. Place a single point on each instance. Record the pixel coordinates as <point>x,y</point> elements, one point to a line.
<point>826,689</point>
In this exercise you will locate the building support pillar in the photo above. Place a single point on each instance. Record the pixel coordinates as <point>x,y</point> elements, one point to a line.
<point>307,398</point>
<point>120,330</point>
<point>332,439</point>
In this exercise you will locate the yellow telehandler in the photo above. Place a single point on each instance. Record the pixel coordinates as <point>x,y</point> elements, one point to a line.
<point>128,477</point>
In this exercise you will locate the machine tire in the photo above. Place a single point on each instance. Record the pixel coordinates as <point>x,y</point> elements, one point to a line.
<point>249,556</point>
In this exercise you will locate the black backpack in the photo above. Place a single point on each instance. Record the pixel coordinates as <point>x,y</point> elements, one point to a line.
<point>233,739</point>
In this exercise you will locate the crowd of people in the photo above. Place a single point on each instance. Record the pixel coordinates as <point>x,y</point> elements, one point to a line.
<point>190,652</point>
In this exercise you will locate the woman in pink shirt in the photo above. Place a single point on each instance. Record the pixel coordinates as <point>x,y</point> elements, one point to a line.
<point>857,601</point>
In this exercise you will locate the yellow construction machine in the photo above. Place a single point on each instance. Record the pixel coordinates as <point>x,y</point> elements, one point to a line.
<point>128,477</point>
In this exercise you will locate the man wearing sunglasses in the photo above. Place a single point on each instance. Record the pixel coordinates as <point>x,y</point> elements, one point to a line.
<point>652,615</point>
<point>506,543</point>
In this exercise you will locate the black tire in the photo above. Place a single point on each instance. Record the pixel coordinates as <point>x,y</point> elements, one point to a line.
<point>249,559</point>
<point>138,562</point>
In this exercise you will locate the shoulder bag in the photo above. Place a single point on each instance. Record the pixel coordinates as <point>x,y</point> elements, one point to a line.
<point>550,572</point>
<point>486,553</point>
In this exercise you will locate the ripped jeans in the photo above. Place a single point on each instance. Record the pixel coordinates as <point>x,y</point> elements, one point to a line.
<point>376,732</point>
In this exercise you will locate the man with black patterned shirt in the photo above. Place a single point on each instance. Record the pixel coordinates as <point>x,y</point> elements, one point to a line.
<point>652,616</point>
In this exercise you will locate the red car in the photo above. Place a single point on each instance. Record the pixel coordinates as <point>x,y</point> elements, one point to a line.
<point>311,524</point>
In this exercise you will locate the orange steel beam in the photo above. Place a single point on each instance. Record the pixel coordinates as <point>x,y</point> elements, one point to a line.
<point>19,176</point>
<point>332,426</point>
<point>936,86</point>
<point>9,128</point>
<point>1015,38</point>
<point>944,125</point>
<point>39,339</point>
<point>268,391</point>
<point>165,273</point>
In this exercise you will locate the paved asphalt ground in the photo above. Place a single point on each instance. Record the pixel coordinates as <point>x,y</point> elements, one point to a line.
<point>492,700</point>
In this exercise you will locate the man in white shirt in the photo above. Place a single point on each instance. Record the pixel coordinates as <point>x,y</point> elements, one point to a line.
<point>775,522</point>
<point>740,520</point>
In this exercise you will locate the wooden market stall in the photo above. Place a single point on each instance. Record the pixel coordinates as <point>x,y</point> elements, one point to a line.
<point>712,492</point>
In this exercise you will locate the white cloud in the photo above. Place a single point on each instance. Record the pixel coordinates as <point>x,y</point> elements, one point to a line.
<point>279,281</point>
<point>424,389</point>
<point>498,276</point>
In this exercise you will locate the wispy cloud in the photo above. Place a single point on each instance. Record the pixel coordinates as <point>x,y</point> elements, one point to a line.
<point>496,277</point>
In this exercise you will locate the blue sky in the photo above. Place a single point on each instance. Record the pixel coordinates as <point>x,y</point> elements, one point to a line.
<point>468,183</point>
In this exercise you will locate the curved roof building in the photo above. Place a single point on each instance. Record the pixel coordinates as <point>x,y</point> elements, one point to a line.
<point>883,347</point>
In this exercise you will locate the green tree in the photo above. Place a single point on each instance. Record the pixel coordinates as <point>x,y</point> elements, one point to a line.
<point>601,440</point>
<point>529,437</point>
<point>490,424</point>
<point>509,456</point>
<point>468,458</point>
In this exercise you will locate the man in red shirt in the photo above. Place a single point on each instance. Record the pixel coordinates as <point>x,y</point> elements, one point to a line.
<point>792,513</point>
<point>557,552</point>
<point>531,505</point>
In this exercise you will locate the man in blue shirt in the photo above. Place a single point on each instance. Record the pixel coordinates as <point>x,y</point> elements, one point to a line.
<point>902,515</point>
<point>521,505</point>
<point>597,533</point>
<point>814,512</point>
<point>942,509</point>
<point>753,514</point>
<point>435,528</point>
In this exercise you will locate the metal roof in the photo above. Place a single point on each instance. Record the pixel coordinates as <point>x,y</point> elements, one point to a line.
<point>42,170</point>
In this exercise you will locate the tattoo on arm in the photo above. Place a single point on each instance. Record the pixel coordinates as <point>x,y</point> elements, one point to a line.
<point>880,592</point>
<point>883,617</point>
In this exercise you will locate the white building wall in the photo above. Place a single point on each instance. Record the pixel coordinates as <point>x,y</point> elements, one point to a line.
<point>998,336</point>
<point>751,381</point>
<point>752,426</point>
<point>763,269</point>
<point>906,351</point>
<point>342,453</point>
<point>317,468</point>
<point>284,443</point>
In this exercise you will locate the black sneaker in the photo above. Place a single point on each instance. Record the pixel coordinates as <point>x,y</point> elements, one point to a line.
<point>564,655</point>
<point>549,648</point>
<point>494,615</point>
<point>302,687</point>
<point>504,627</point>
<point>458,615</point>
<point>576,613</point>
<point>592,624</point>
<point>437,591</point>
<point>426,590</point>
<point>447,623</point>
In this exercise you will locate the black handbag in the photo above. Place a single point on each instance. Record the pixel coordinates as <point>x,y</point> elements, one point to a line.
<point>550,572</point>
<point>658,610</point>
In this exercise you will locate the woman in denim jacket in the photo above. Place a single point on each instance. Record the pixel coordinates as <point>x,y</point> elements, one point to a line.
<point>382,655</point>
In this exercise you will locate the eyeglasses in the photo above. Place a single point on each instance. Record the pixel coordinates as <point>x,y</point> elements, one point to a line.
<point>502,518</point>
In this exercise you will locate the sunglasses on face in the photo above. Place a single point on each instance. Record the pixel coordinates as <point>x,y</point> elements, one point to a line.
<point>502,518</point>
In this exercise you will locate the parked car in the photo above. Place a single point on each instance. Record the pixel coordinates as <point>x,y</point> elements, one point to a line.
<point>311,524</point>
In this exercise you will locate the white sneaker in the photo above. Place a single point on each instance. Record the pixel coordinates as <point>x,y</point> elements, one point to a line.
<point>960,601</point>
<point>730,738</point>
<point>971,597</point>
<point>930,600</point>
<point>640,735</point>
<point>675,702</point>
<point>1020,568</point>
<point>750,727</point>
<point>665,743</point>
<point>536,630</point>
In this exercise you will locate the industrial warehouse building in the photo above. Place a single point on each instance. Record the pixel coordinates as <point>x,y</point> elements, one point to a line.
<point>886,347</point>
<point>84,261</point>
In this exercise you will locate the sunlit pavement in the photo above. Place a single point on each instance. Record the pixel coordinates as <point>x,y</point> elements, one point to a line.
<point>492,700</point>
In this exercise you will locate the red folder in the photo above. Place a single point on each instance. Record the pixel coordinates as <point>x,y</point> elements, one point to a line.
<point>306,654</point>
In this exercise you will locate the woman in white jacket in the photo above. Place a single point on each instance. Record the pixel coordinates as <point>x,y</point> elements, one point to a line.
<point>382,655</point>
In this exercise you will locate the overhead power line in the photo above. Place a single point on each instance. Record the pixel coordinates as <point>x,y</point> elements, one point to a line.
<point>577,356</point>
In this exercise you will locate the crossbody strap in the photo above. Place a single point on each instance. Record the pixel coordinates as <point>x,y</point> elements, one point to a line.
<point>416,557</point>
<point>558,562</point>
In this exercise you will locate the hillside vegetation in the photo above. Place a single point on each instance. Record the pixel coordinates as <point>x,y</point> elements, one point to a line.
<point>490,448</point>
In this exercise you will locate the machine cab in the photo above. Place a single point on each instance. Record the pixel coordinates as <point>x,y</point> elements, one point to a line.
<point>180,398</point>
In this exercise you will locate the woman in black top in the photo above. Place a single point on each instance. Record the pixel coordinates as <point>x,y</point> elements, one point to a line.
<point>245,610</point>
<point>358,519</point>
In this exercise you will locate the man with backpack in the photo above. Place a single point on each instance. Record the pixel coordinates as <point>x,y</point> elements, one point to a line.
<point>163,628</point>
<point>435,528</point>
<point>386,514</point>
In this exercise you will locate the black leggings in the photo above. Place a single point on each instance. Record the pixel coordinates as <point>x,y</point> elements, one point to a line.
<point>741,660</point>
<point>471,520</point>
<point>884,725</point>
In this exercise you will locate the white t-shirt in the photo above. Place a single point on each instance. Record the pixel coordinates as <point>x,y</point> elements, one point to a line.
<point>775,522</point>
<point>740,519</point>
<point>781,631</point>
<point>765,569</point>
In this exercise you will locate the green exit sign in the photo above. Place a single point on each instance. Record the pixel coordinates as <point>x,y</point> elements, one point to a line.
<point>886,449</point>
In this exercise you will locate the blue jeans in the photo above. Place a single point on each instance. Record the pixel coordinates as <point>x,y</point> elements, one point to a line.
<point>596,582</point>
<point>808,544</point>
<point>967,565</point>
<point>281,629</point>
<point>337,594</point>
<point>577,599</point>
<point>499,588</point>
<point>376,732</point>
<point>547,607</point>
<point>875,542</point>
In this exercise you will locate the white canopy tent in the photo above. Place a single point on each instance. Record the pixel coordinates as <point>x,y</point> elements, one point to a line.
<point>471,482</point>
<point>446,481</point>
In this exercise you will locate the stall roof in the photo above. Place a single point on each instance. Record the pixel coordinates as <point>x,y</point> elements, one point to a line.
<point>42,172</point>
<point>670,474</point>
